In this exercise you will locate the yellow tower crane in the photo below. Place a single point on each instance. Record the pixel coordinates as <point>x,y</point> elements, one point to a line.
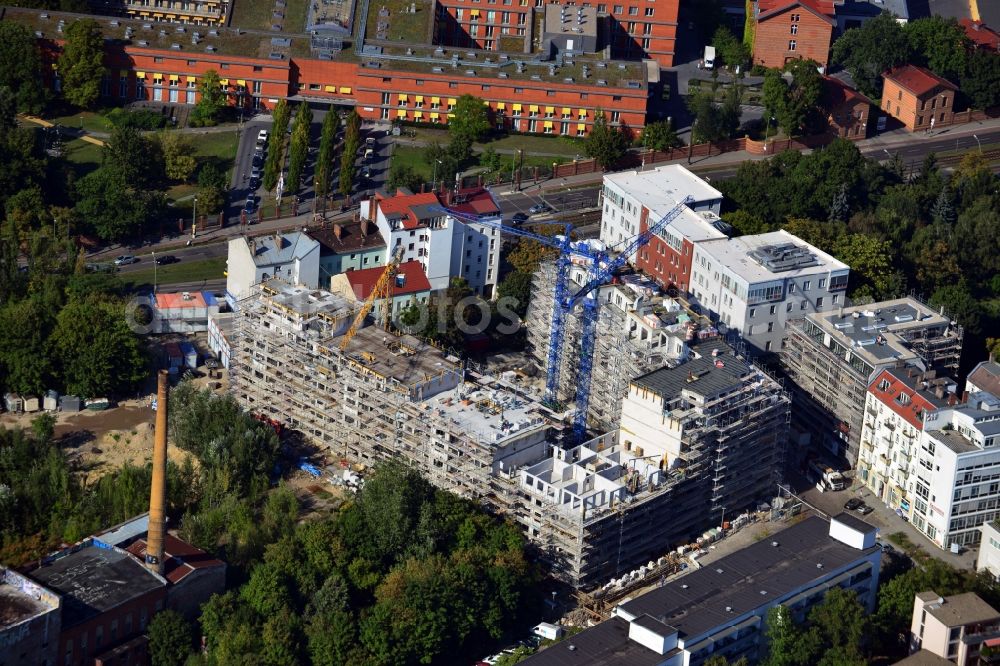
<point>383,290</point>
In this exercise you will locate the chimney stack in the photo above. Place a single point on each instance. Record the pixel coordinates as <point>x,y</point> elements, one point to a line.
<point>158,489</point>
<point>337,231</point>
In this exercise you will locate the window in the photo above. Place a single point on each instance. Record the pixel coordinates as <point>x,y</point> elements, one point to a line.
<point>649,11</point>
<point>158,59</point>
<point>774,309</point>
<point>822,283</point>
<point>753,311</point>
<point>633,11</point>
<point>806,285</point>
<point>819,302</point>
<point>795,18</point>
<point>795,28</point>
<point>618,9</point>
<point>791,44</point>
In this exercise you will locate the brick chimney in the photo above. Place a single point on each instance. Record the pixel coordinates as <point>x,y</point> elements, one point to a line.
<point>158,488</point>
<point>337,231</point>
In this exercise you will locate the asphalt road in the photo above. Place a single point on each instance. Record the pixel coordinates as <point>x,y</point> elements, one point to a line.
<point>186,255</point>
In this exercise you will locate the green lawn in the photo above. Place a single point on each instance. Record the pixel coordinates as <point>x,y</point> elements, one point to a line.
<point>551,145</point>
<point>403,26</point>
<point>206,269</point>
<point>82,156</point>
<point>257,15</point>
<point>295,14</point>
<point>92,121</point>
<point>413,156</point>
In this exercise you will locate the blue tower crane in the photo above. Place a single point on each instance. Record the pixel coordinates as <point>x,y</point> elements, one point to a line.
<point>602,270</point>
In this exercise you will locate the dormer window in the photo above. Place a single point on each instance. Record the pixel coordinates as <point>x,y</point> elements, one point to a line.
<point>903,399</point>
<point>883,385</point>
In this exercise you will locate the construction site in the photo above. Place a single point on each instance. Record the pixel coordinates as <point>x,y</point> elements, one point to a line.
<point>595,510</point>
<point>639,329</point>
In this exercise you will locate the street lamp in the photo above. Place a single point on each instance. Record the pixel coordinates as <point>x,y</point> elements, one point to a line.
<point>978,142</point>
<point>434,178</point>
<point>194,218</point>
<point>154,270</point>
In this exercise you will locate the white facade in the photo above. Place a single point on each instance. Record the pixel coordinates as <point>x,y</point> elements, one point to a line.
<point>945,476</point>
<point>627,193</point>
<point>756,284</point>
<point>445,247</point>
<point>292,257</point>
<point>989,549</point>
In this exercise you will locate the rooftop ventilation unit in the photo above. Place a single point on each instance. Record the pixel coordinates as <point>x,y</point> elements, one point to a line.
<point>783,257</point>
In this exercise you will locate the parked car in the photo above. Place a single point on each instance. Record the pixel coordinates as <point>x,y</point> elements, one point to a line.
<point>257,161</point>
<point>886,548</point>
<point>255,172</point>
<point>370,141</point>
<point>254,184</point>
<point>519,218</point>
<point>166,259</point>
<point>864,509</point>
<point>852,504</point>
<point>251,205</point>
<point>262,137</point>
<point>539,208</point>
<point>125,260</point>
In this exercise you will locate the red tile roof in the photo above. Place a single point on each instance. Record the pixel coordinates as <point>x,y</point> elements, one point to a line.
<point>476,201</point>
<point>836,93</point>
<point>181,558</point>
<point>822,8</point>
<point>412,272</point>
<point>401,204</point>
<point>919,401</point>
<point>980,35</point>
<point>917,80</point>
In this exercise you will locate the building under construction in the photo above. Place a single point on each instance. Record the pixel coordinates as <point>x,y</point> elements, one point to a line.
<point>596,510</point>
<point>831,357</point>
<point>638,330</point>
<point>698,442</point>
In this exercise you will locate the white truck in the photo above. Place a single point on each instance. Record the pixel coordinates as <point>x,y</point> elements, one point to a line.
<point>708,62</point>
<point>825,477</point>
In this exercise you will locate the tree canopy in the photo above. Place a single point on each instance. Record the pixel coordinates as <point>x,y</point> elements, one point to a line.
<point>211,100</point>
<point>471,119</point>
<point>605,143</point>
<point>81,65</point>
<point>20,65</point>
<point>867,51</point>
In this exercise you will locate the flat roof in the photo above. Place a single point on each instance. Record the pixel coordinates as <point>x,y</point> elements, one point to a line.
<point>697,602</point>
<point>706,376</point>
<point>403,358</point>
<point>488,410</point>
<point>871,331</point>
<point>854,522</point>
<point>16,605</point>
<point>554,24</point>
<point>734,254</point>
<point>962,609</point>
<point>94,580</point>
<point>308,302</point>
<point>662,188</point>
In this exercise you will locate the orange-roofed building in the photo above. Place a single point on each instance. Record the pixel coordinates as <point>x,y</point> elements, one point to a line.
<point>918,98</point>
<point>182,311</point>
<point>409,286</point>
<point>848,112</point>
<point>446,247</point>
<point>786,30</point>
<point>981,36</point>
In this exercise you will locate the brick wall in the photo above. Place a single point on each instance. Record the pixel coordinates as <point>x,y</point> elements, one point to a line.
<point>915,112</point>
<point>79,643</point>
<point>773,37</point>
<point>851,121</point>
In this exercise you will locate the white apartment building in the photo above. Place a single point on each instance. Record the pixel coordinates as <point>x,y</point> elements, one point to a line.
<point>932,458</point>
<point>445,247</point>
<point>756,284</point>
<point>629,197</point>
<point>293,257</point>
<point>989,549</point>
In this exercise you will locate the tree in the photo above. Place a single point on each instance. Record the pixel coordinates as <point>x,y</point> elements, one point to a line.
<point>178,155</point>
<point>711,123</point>
<point>20,65</point>
<point>43,427</point>
<point>81,65</point>
<point>788,644</point>
<point>977,239</point>
<point>878,45</point>
<point>839,620</point>
<point>733,52</point>
<point>872,274</point>
<point>840,209</point>
<point>960,304</point>
<point>211,189</point>
<point>773,92</point>
<point>299,150</point>
<point>94,352</point>
<point>275,162</point>
<point>24,365</point>
<point>659,135</point>
<point>170,639</point>
<point>403,176</point>
<point>517,288</point>
<point>605,144</point>
<point>130,154</point>
<point>981,79</point>
<point>113,209</point>
<point>324,158</point>
<point>471,119</point>
<point>803,95</point>
<point>212,99</point>
<point>939,44</point>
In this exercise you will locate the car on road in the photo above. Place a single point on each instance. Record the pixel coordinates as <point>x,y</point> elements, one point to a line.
<point>253,184</point>
<point>886,548</point>
<point>262,137</point>
<point>255,172</point>
<point>519,218</point>
<point>166,259</point>
<point>125,260</point>
<point>99,268</point>
<point>852,504</point>
<point>539,208</point>
<point>257,161</point>
<point>250,205</point>
<point>370,141</point>
<point>369,153</point>
<point>864,509</point>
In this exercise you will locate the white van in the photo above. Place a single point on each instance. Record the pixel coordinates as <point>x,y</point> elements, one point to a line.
<point>709,60</point>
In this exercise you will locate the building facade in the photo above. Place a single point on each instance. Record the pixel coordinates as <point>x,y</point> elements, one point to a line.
<point>409,287</point>
<point>848,112</point>
<point>443,245</point>
<point>351,246</point>
<point>932,457</point>
<point>293,257</point>
<point>30,621</point>
<point>918,98</point>
<point>989,549</point>
<point>832,357</point>
<point>754,285</point>
<point>953,628</point>
<point>786,30</point>
<point>721,609</point>
<point>630,199</point>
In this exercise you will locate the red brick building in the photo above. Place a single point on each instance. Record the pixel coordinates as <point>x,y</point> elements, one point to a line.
<point>981,36</point>
<point>788,29</point>
<point>538,97</point>
<point>918,98</point>
<point>633,28</point>
<point>848,112</point>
